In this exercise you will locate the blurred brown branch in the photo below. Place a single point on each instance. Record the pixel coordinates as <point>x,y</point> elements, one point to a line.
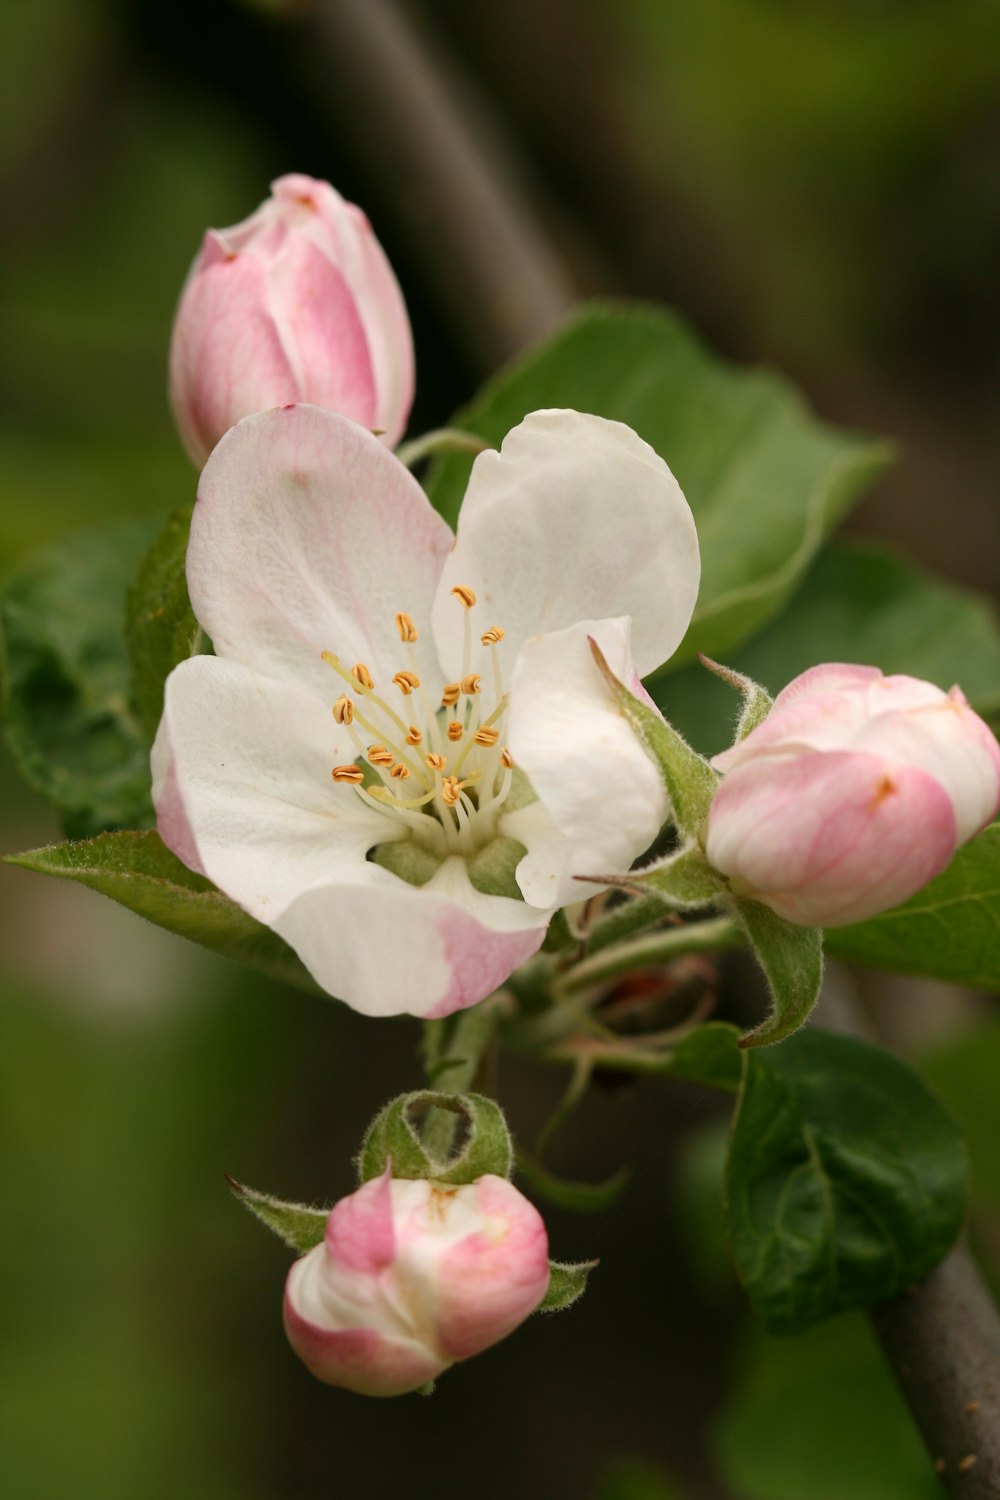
<point>466,206</point>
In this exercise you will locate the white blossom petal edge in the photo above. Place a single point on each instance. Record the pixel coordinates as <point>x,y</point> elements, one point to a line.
<point>478,761</point>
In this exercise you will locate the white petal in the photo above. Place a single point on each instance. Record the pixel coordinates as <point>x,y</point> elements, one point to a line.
<point>574,518</point>
<point>387,948</point>
<point>309,536</point>
<point>599,787</point>
<point>242,786</point>
<point>541,873</point>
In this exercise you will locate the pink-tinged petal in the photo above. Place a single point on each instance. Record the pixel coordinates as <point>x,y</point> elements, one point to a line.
<point>358,1359</point>
<point>171,815</point>
<point>829,677</point>
<point>390,342</point>
<point>242,786</point>
<point>824,709</point>
<point>950,742</point>
<point>574,518</point>
<point>321,332</point>
<point>387,948</point>
<point>601,790</point>
<point>493,1279</point>
<point>226,356</point>
<point>380,306</point>
<point>309,536</point>
<point>359,1231</point>
<point>829,839</point>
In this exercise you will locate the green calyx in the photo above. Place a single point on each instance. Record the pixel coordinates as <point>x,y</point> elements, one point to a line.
<point>394,1140</point>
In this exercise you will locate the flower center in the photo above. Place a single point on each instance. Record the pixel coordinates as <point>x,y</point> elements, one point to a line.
<point>441,770</point>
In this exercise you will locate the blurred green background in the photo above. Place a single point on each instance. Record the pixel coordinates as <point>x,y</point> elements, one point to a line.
<point>815,185</point>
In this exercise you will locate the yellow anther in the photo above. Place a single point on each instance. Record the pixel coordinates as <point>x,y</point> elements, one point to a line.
<point>413,735</point>
<point>378,755</point>
<point>455,729</point>
<point>471,684</point>
<point>406,682</point>
<point>343,710</point>
<point>464,594</point>
<point>436,762</point>
<point>362,676</point>
<point>493,636</point>
<point>348,773</point>
<point>486,736</point>
<point>450,790</point>
<point>450,695</point>
<point>506,759</point>
<point>407,629</point>
<point>400,772</point>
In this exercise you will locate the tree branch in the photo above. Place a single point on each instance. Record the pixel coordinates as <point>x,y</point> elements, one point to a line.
<point>942,1339</point>
<point>484,254</point>
<point>943,1342</point>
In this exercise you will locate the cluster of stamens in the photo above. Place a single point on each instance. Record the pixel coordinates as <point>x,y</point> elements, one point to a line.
<point>462,773</point>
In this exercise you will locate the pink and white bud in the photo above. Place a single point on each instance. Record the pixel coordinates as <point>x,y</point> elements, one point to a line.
<point>298,303</point>
<point>854,792</point>
<point>411,1277</point>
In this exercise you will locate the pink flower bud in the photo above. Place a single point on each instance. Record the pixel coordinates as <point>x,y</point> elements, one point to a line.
<point>854,792</point>
<point>411,1277</point>
<point>297,303</point>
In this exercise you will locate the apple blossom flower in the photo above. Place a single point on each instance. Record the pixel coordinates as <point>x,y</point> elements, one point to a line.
<point>402,752</point>
<point>412,1276</point>
<point>296,303</point>
<point>853,793</point>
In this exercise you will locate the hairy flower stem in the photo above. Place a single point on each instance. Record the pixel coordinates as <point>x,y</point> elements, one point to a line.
<point>454,1050</point>
<point>622,921</point>
<point>656,948</point>
<point>441,440</point>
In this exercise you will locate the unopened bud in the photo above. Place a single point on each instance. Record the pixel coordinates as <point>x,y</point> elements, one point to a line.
<point>296,303</point>
<point>853,793</point>
<point>411,1276</point>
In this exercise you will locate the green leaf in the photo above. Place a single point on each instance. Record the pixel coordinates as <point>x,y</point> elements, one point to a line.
<point>792,960</point>
<point>581,1197</point>
<point>635,1479</point>
<point>138,871</point>
<point>962,1067</point>
<point>846,1180</point>
<point>68,718</point>
<point>300,1226</point>
<point>161,626</point>
<point>710,1054</point>
<point>949,930</point>
<point>567,1283</point>
<point>689,780</point>
<point>859,603</point>
<point>766,481</point>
